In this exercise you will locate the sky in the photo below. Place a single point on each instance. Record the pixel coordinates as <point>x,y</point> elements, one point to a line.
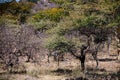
<point>17,0</point>
<point>3,1</point>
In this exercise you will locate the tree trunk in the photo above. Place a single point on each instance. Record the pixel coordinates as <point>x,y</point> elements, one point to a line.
<point>82,60</point>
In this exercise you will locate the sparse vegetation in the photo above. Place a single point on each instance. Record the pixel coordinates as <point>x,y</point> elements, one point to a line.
<point>32,30</point>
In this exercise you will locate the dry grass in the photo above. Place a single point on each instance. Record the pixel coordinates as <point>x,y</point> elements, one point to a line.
<point>70,68</point>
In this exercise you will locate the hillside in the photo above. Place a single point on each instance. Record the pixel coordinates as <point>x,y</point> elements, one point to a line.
<point>82,36</point>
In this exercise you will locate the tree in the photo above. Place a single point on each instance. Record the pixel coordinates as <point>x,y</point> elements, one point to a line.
<point>93,22</point>
<point>16,11</point>
<point>17,42</point>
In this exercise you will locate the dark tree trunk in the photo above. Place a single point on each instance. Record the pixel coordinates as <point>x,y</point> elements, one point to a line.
<point>28,58</point>
<point>82,60</point>
<point>81,57</point>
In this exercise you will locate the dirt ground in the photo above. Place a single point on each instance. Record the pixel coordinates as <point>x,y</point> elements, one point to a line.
<point>69,69</point>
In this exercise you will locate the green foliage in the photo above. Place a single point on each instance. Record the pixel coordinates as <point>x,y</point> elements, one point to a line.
<point>15,8</point>
<point>54,14</point>
<point>91,17</point>
<point>90,22</point>
<point>85,16</point>
<point>14,11</point>
<point>67,24</point>
<point>63,27</point>
<point>60,2</point>
<point>110,25</point>
<point>57,42</point>
<point>42,25</point>
<point>9,20</point>
<point>88,1</point>
<point>65,4</point>
<point>3,8</point>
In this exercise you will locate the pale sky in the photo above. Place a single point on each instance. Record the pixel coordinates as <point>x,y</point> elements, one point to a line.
<point>3,1</point>
<point>17,0</point>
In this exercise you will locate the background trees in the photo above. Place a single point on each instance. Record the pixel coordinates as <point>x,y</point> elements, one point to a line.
<point>66,26</point>
<point>16,43</point>
<point>15,13</point>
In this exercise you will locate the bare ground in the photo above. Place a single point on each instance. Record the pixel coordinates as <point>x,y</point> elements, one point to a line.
<point>109,69</point>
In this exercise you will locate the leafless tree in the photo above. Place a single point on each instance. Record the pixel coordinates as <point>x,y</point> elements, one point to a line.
<point>17,42</point>
<point>57,54</point>
<point>7,44</point>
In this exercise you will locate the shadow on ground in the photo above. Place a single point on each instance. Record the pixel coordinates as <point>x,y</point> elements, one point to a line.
<point>97,74</point>
<point>95,69</point>
<point>6,75</point>
<point>62,71</point>
<point>113,55</point>
<point>18,72</point>
<point>102,74</point>
<point>107,59</point>
<point>78,78</point>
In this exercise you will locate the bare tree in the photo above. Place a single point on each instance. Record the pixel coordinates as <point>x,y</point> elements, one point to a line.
<point>17,42</point>
<point>7,44</point>
<point>57,54</point>
<point>25,42</point>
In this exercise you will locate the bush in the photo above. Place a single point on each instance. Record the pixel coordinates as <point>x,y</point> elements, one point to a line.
<point>57,42</point>
<point>43,25</point>
<point>59,1</point>
<point>16,11</point>
<point>54,14</point>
